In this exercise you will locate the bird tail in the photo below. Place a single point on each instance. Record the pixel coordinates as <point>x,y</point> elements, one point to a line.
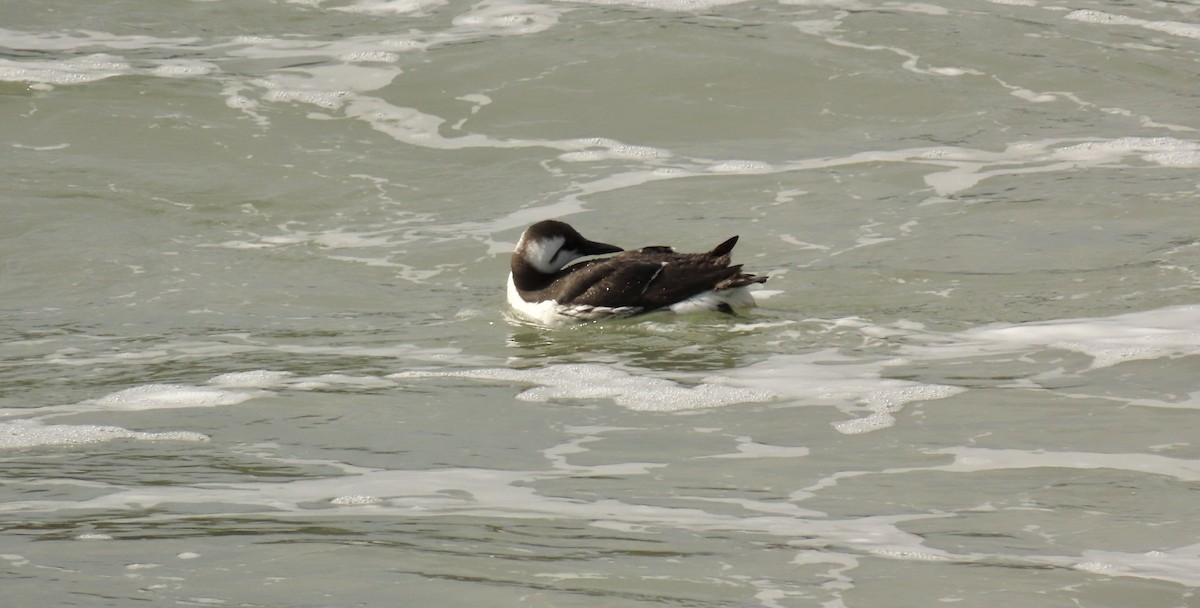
<point>724,248</point>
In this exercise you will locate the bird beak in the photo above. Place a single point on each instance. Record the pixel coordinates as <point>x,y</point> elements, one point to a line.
<point>594,248</point>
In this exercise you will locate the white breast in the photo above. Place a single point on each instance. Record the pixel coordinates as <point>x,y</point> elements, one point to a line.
<point>550,312</point>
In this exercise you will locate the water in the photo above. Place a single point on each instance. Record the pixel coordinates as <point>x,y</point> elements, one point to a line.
<point>255,351</point>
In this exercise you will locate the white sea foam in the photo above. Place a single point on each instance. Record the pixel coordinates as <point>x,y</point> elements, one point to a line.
<point>356,499</point>
<point>391,7</point>
<point>93,536</point>
<point>1114,150</point>
<point>863,5</point>
<point>411,126</point>
<point>260,378</point>
<point>223,390</point>
<point>741,167</point>
<point>95,66</point>
<point>972,460</point>
<point>825,378</point>
<point>48,148</point>
<point>861,388</point>
<point>168,396</point>
<point>508,18</point>
<point>1166,333</point>
<point>595,149</point>
<point>1175,158</point>
<point>79,70</point>
<point>593,381</point>
<point>370,57</point>
<point>1153,334</point>
<point>75,39</point>
<point>341,381</point>
<point>971,167</point>
<point>256,379</point>
<point>1180,565</point>
<point>490,493</point>
<point>31,433</point>
<point>748,448</point>
<point>828,378</point>
<point>912,61</point>
<point>487,493</point>
<point>28,429</point>
<point>365,65</point>
<point>665,5</point>
<point>184,68</point>
<point>819,379</point>
<point>14,559</point>
<point>1174,28</point>
<point>963,168</point>
<point>1028,95</point>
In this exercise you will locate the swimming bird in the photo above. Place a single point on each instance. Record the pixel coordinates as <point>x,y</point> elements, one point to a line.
<point>544,288</point>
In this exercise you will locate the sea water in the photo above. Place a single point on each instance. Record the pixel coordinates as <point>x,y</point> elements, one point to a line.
<point>255,349</point>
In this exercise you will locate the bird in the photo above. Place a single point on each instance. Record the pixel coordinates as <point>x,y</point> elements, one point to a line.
<point>544,288</point>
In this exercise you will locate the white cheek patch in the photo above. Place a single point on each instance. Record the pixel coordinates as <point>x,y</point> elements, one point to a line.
<point>541,254</point>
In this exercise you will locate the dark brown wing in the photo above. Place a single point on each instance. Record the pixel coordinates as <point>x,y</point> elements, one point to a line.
<point>657,277</point>
<point>687,276</point>
<point>610,282</point>
<point>652,277</point>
